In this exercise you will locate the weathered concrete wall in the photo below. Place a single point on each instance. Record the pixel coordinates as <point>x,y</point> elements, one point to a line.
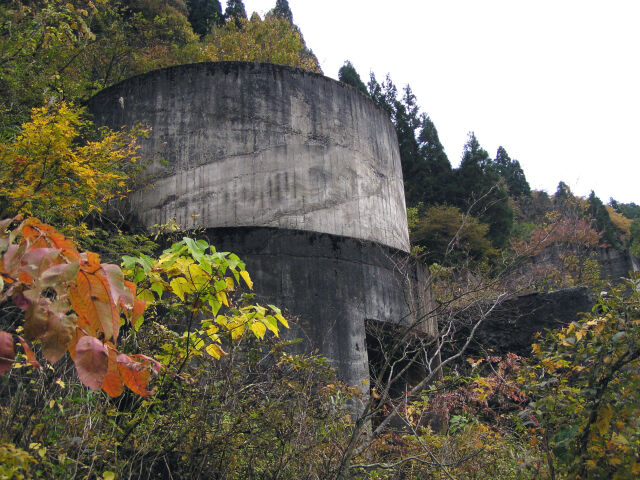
<point>511,327</point>
<point>332,284</point>
<point>250,144</point>
<point>616,264</point>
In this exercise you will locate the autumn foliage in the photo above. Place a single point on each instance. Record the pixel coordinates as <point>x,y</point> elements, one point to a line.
<point>72,303</point>
<point>52,171</point>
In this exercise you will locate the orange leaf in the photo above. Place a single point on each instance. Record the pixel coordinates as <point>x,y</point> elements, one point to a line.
<point>92,303</point>
<point>90,262</point>
<point>92,360</point>
<point>112,384</point>
<point>135,374</point>
<point>71,346</point>
<point>111,330</point>
<point>44,235</point>
<point>139,307</point>
<point>7,352</point>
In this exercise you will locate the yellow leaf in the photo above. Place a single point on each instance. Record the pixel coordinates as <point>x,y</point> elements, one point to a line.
<point>107,475</point>
<point>181,286</point>
<point>282,320</point>
<point>247,279</point>
<point>146,296</point>
<point>215,351</point>
<point>222,298</point>
<point>258,329</point>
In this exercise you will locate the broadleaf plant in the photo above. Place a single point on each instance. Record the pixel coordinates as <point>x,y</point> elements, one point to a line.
<point>72,303</point>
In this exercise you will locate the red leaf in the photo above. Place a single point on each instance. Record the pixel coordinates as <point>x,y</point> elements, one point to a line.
<point>110,322</point>
<point>7,352</point>
<point>59,334</point>
<point>155,365</point>
<point>135,374</point>
<point>48,321</point>
<point>112,384</point>
<point>35,320</point>
<point>11,258</point>
<point>31,357</point>
<point>20,300</point>
<point>92,360</point>
<point>139,306</point>
<point>64,272</point>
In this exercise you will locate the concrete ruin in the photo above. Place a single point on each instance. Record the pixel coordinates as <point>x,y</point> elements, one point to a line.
<point>299,175</point>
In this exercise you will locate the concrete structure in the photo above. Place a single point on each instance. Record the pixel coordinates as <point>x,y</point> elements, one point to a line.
<point>295,172</point>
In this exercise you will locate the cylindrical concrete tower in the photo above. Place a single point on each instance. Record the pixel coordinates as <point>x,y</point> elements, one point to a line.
<point>250,144</point>
<point>297,173</point>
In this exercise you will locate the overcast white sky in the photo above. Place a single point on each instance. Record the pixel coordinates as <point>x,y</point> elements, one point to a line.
<point>556,83</point>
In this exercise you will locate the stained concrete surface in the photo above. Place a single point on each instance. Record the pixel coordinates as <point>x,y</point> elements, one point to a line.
<point>332,284</point>
<point>248,144</point>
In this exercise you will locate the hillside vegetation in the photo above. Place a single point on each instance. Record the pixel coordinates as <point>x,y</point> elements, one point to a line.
<point>131,354</point>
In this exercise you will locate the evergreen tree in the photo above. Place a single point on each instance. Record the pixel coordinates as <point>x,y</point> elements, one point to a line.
<point>235,11</point>
<point>563,192</point>
<point>385,94</point>
<point>603,224</point>
<point>204,14</point>
<point>478,184</point>
<point>512,173</point>
<point>348,74</point>
<point>407,122</point>
<point>282,10</point>
<point>425,166</point>
<point>433,172</point>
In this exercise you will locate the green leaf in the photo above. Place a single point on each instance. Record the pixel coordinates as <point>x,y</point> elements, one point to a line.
<point>158,289</point>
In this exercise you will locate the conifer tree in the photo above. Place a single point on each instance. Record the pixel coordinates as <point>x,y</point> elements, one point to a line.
<point>348,74</point>
<point>512,173</point>
<point>425,166</point>
<point>563,193</point>
<point>235,11</point>
<point>204,15</point>
<point>478,184</point>
<point>434,172</point>
<point>282,10</point>
<point>603,224</point>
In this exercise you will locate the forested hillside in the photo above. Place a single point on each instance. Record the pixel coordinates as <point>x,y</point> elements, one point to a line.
<point>126,353</point>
